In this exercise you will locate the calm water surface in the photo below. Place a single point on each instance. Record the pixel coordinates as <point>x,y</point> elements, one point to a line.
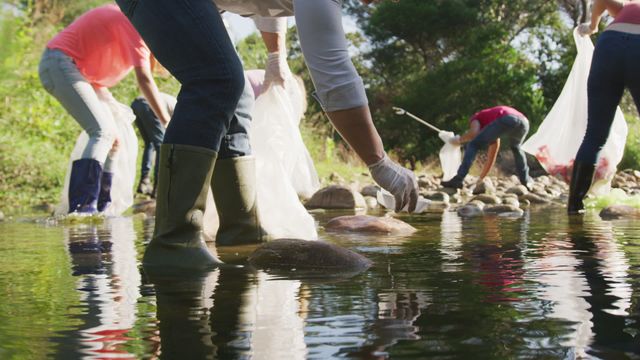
<point>538,287</point>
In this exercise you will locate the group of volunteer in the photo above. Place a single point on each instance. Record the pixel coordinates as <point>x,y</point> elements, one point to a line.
<point>202,139</point>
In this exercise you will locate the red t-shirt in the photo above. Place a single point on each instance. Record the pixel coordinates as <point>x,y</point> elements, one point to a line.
<point>487,116</point>
<point>630,14</point>
<point>103,44</point>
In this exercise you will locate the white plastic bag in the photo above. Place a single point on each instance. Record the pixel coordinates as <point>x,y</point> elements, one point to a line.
<point>281,161</point>
<point>388,201</point>
<point>450,156</point>
<point>124,169</point>
<point>558,138</point>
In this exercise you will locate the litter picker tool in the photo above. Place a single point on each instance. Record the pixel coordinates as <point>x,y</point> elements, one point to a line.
<point>401,111</point>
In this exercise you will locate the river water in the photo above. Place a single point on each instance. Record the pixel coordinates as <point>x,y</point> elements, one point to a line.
<point>539,287</point>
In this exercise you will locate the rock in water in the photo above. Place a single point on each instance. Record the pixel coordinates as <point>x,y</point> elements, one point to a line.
<point>484,187</point>
<point>470,210</point>
<point>370,224</point>
<point>336,197</point>
<point>620,212</point>
<point>504,209</point>
<point>308,256</point>
<point>370,190</point>
<point>147,207</point>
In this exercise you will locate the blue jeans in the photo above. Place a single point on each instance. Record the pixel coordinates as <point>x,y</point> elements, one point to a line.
<point>614,67</point>
<point>510,128</point>
<point>188,38</point>
<point>152,133</point>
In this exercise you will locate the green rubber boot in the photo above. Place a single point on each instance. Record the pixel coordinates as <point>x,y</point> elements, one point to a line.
<point>184,176</point>
<point>234,192</point>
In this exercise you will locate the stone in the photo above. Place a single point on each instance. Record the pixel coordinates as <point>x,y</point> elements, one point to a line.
<point>302,256</point>
<point>448,191</point>
<point>369,225</point>
<point>503,209</point>
<point>524,203</point>
<point>437,206</point>
<point>620,212</point>
<point>511,201</point>
<point>477,203</point>
<point>470,210</point>
<point>534,199</point>
<point>437,196</point>
<point>147,207</point>
<point>518,190</point>
<point>370,190</point>
<point>336,197</point>
<point>487,199</point>
<point>334,177</point>
<point>372,203</point>
<point>484,187</point>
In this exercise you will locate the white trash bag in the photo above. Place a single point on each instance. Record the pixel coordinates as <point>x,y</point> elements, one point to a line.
<point>388,201</point>
<point>124,169</point>
<point>279,151</point>
<point>558,138</point>
<point>450,156</point>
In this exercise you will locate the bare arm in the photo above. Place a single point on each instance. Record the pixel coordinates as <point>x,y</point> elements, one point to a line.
<point>150,91</point>
<point>273,41</point>
<point>474,130</point>
<point>492,154</point>
<point>613,7</point>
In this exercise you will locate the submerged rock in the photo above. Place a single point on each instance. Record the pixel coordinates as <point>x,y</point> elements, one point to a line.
<point>308,256</point>
<point>370,224</point>
<point>470,210</point>
<point>336,197</point>
<point>504,210</point>
<point>620,212</point>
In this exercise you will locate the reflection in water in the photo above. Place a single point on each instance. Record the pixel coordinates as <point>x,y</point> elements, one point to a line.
<point>104,260</point>
<point>488,287</point>
<point>604,268</point>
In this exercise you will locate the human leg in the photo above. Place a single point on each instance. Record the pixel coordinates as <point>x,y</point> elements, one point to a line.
<point>516,137</point>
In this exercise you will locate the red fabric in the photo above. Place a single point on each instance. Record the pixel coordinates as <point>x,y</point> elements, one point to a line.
<point>630,14</point>
<point>103,44</point>
<point>487,116</point>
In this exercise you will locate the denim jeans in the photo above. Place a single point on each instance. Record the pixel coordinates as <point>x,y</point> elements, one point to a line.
<point>509,128</point>
<point>62,79</point>
<point>189,38</point>
<point>614,67</point>
<point>152,133</point>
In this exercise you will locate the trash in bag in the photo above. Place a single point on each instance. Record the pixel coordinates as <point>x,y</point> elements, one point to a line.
<point>615,197</point>
<point>124,168</point>
<point>450,156</point>
<point>283,169</point>
<point>558,138</point>
<point>388,201</point>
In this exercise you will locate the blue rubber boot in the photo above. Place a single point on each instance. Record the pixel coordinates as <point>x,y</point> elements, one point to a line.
<point>104,196</point>
<point>84,186</point>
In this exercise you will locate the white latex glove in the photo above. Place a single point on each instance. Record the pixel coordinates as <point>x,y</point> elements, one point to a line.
<point>585,29</point>
<point>454,140</point>
<point>277,69</point>
<point>398,181</point>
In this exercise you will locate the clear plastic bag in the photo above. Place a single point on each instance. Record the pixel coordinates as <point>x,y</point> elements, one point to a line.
<point>283,169</point>
<point>124,169</point>
<point>558,138</point>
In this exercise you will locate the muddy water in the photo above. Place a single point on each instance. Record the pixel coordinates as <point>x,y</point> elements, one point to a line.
<point>536,287</point>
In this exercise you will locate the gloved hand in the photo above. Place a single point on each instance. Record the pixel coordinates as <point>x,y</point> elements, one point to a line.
<point>585,29</point>
<point>277,69</point>
<point>398,181</point>
<point>454,140</point>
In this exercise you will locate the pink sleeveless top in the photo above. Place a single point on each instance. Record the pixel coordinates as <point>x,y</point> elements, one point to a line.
<point>487,116</point>
<point>630,14</point>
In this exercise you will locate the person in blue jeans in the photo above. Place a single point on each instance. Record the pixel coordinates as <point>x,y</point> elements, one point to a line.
<point>152,133</point>
<point>207,143</point>
<point>486,128</point>
<point>614,67</point>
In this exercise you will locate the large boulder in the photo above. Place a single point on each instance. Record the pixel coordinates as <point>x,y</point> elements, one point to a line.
<point>304,257</point>
<point>370,225</point>
<point>336,197</point>
<point>620,212</point>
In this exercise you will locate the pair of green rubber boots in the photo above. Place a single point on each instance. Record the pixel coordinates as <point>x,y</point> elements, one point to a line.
<point>184,176</point>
